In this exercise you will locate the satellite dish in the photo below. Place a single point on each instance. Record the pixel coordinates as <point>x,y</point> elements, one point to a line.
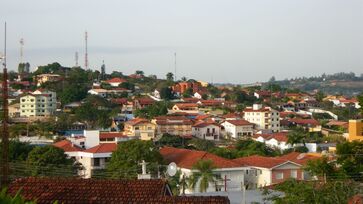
<point>301,156</point>
<point>172,168</point>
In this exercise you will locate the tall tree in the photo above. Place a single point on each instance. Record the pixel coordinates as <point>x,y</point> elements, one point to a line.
<point>203,174</point>
<point>296,136</point>
<point>170,76</point>
<point>125,160</point>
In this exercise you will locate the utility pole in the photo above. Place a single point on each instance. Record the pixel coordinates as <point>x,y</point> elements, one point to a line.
<point>86,51</point>
<point>5,136</point>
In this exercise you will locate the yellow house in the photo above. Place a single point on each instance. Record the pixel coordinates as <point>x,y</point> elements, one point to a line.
<point>141,128</point>
<point>355,130</point>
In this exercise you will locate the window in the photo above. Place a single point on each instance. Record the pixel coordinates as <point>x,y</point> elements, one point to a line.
<point>137,128</point>
<point>22,100</point>
<point>279,175</point>
<point>293,173</point>
<point>96,162</point>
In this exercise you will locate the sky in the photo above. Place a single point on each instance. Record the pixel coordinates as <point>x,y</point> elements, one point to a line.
<point>226,41</point>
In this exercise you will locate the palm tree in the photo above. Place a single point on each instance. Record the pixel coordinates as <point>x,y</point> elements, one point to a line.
<point>296,136</point>
<point>203,174</point>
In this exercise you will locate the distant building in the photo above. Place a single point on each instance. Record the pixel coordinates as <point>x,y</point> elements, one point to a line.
<point>238,128</point>
<point>42,78</point>
<point>174,125</point>
<point>115,82</point>
<point>141,128</point>
<point>38,103</point>
<point>206,130</point>
<point>265,118</point>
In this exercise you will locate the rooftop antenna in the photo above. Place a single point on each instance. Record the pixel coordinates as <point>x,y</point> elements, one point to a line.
<point>175,66</point>
<point>86,54</point>
<point>21,49</point>
<point>5,137</point>
<point>76,58</point>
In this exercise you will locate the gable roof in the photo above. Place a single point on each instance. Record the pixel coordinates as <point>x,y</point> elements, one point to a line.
<point>201,124</point>
<point>67,146</point>
<point>279,136</point>
<point>260,161</point>
<point>186,158</point>
<point>102,148</point>
<point>240,122</point>
<point>137,121</point>
<point>107,135</point>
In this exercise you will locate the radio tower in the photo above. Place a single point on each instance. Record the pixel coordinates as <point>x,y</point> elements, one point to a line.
<point>5,136</point>
<point>76,58</point>
<point>21,49</point>
<point>86,54</point>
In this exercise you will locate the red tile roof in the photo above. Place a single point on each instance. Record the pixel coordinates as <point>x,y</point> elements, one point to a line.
<point>304,121</point>
<point>186,158</point>
<point>116,80</point>
<point>173,120</point>
<point>259,161</point>
<point>119,101</point>
<point>137,121</point>
<point>67,146</point>
<point>263,109</point>
<point>102,148</point>
<point>299,158</point>
<point>107,135</point>
<point>239,122</point>
<point>186,105</point>
<point>73,190</point>
<point>201,124</point>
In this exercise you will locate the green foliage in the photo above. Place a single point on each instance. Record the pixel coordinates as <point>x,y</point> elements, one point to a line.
<point>250,147</point>
<point>296,136</point>
<point>157,109</point>
<point>224,152</point>
<point>17,199</point>
<point>45,160</point>
<point>203,175</point>
<point>54,68</point>
<point>350,158</point>
<point>360,99</point>
<point>176,182</point>
<point>188,93</point>
<point>314,192</point>
<point>18,150</point>
<point>170,76</point>
<point>320,96</point>
<point>323,168</point>
<point>166,93</point>
<point>106,86</point>
<point>203,145</point>
<point>127,85</point>
<point>171,140</point>
<point>125,160</point>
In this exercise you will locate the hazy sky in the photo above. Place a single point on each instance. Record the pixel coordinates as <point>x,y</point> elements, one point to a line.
<point>237,41</point>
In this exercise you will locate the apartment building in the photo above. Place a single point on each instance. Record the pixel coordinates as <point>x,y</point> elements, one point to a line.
<point>140,127</point>
<point>174,125</point>
<point>38,103</point>
<point>264,118</point>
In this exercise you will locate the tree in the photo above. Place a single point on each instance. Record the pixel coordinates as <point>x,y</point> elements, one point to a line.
<point>139,72</point>
<point>360,99</point>
<point>171,140</point>
<point>49,160</point>
<point>250,147</point>
<point>350,158</point>
<point>184,78</point>
<point>18,151</point>
<point>188,93</point>
<point>166,93</point>
<point>203,174</point>
<point>170,76</point>
<point>157,109</point>
<point>296,136</point>
<point>17,199</point>
<point>322,167</point>
<point>127,85</point>
<point>125,160</point>
<point>320,96</point>
<point>203,145</point>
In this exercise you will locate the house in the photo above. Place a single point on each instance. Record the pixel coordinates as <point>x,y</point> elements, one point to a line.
<point>115,82</point>
<point>355,130</point>
<point>75,190</point>
<point>185,107</point>
<point>182,87</point>
<point>262,94</point>
<point>39,103</point>
<point>14,110</point>
<point>274,140</point>
<point>206,130</point>
<point>238,128</point>
<point>43,78</point>
<point>98,92</point>
<point>311,125</point>
<point>264,118</point>
<point>140,103</point>
<point>140,127</point>
<point>173,125</point>
<point>232,172</point>
<point>267,171</point>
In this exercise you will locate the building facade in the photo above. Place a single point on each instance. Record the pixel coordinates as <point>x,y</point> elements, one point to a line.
<point>38,103</point>
<point>264,118</point>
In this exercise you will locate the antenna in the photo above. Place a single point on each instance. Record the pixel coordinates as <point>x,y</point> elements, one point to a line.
<point>76,58</point>
<point>172,168</point>
<point>21,49</point>
<point>175,66</point>
<point>5,138</point>
<point>86,54</point>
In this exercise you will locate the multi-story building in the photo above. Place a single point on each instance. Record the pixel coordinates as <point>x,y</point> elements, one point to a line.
<point>238,129</point>
<point>140,127</point>
<point>174,125</point>
<point>264,118</point>
<point>38,103</point>
<point>206,130</point>
<point>42,78</point>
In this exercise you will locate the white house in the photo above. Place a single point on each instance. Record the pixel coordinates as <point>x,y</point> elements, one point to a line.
<point>206,130</point>
<point>275,140</point>
<point>98,92</point>
<point>238,128</point>
<point>231,174</point>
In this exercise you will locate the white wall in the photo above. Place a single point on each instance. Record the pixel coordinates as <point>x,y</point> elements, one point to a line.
<point>92,138</point>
